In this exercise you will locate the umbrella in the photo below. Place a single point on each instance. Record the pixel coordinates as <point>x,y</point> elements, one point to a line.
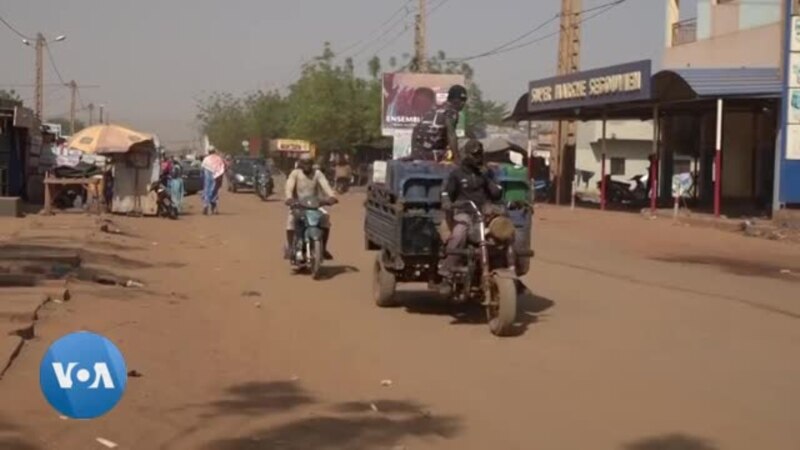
<point>104,139</point>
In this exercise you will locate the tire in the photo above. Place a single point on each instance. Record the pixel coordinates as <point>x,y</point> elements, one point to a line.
<point>234,189</point>
<point>502,309</point>
<point>383,285</point>
<point>316,262</point>
<point>173,213</point>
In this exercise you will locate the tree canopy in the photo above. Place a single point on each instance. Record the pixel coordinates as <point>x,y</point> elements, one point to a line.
<point>328,105</point>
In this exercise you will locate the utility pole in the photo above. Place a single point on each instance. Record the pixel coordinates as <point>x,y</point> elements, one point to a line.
<point>569,49</point>
<point>40,43</point>
<point>73,87</point>
<point>91,114</point>
<point>420,56</point>
<point>102,107</point>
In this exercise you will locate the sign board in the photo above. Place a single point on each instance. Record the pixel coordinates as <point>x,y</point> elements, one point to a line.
<point>401,144</point>
<point>615,84</point>
<point>794,38</point>
<point>408,96</point>
<point>793,142</point>
<point>23,117</point>
<point>290,145</point>
<point>379,172</point>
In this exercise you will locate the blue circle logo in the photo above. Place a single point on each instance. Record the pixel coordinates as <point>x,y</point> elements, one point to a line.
<point>83,375</point>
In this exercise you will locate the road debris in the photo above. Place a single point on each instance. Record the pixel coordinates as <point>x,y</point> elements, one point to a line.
<point>786,271</point>
<point>295,378</point>
<point>374,407</point>
<point>386,383</point>
<point>251,294</point>
<point>63,417</point>
<point>133,283</point>
<point>134,374</point>
<point>106,442</point>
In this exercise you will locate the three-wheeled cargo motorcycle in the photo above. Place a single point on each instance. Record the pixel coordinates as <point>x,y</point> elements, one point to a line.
<point>405,223</point>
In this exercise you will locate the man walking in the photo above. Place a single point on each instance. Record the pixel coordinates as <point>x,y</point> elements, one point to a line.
<point>213,170</point>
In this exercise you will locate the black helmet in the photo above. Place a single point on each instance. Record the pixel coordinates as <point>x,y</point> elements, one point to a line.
<point>457,92</point>
<point>473,149</point>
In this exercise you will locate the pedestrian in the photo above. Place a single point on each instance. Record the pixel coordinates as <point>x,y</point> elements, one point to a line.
<point>176,187</point>
<point>213,171</point>
<point>108,186</point>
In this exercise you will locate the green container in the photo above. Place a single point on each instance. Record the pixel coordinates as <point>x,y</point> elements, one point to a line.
<point>515,183</point>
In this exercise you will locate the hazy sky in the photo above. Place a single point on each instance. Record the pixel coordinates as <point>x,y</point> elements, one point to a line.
<point>153,58</point>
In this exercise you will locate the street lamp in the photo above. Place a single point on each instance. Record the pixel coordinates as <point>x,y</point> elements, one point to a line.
<point>39,45</point>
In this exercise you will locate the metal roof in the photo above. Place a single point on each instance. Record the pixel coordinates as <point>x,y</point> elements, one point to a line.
<point>728,82</point>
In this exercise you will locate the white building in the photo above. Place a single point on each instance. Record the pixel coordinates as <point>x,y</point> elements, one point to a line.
<point>628,145</point>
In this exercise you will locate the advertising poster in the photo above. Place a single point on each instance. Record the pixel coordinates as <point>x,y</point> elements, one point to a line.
<point>795,34</point>
<point>794,70</point>
<point>793,115</point>
<point>793,142</point>
<point>408,96</point>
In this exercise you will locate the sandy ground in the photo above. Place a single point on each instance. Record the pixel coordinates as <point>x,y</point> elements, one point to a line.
<point>638,335</point>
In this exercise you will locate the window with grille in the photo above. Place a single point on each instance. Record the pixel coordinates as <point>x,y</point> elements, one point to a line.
<point>617,166</point>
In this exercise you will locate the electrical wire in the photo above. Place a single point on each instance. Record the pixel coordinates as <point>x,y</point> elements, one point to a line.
<point>13,29</point>
<point>53,63</point>
<point>379,28</point>
<point>404,31</point>
<point>504,48</point>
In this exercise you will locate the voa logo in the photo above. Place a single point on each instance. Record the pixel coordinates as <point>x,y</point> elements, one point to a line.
<point>83,375</point>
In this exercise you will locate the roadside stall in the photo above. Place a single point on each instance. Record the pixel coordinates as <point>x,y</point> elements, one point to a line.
<point>133,162</point>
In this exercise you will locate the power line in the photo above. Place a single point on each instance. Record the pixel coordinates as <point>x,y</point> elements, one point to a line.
<point>504,48</point>
<point>407,28</point>
<point>11,27</point>
<point>402,21</point>
<point>385,23</point>
<point>53,63</point>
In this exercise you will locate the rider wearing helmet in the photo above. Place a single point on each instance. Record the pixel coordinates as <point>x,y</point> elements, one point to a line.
<point>307,181</point>
<point>471,181</point>
<point>436,132</point>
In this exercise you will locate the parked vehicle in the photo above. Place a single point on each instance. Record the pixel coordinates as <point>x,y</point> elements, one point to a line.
<point>403,221</point>
<point>241,174</point>
<point>192,175</point>
<point>632,191</point>
<point>166,208</point>
<point>307,252</point>
<point>264,185</point>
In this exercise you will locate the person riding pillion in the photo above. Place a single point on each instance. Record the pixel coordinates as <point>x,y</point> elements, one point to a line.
<point>471,181</point>
<point>435,135</point>
<point>308,181</point>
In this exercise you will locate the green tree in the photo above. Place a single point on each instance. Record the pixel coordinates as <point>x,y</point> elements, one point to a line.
<point>266,116</point>
<point>331,107</point>
<point>222,119</point>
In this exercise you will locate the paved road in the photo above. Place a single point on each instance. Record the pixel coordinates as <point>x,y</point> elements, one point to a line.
<point>638,335</point>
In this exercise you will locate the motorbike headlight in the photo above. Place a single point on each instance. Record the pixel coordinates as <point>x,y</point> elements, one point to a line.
<point>501,229</point>
<point>239,177</point>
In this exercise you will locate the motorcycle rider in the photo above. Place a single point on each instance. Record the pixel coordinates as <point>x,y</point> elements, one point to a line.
<point>436,132</point>
<point>306,181</point>
<point>473,181</point>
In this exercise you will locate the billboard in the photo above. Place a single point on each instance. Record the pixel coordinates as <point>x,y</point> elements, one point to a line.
<point>408,96</point>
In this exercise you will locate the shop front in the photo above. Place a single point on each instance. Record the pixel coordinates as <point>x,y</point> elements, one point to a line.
<point>722,123</point>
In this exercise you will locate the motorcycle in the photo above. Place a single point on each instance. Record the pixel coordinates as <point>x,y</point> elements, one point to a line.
<point>635,190</point>
<point>487,275</point>
<point>165,206</point>
<point>342,185</point>
<point>264,186</point>
<point>307,252</point>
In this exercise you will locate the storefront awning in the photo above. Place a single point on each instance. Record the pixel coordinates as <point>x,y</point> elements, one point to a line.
<point>676,91</point>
